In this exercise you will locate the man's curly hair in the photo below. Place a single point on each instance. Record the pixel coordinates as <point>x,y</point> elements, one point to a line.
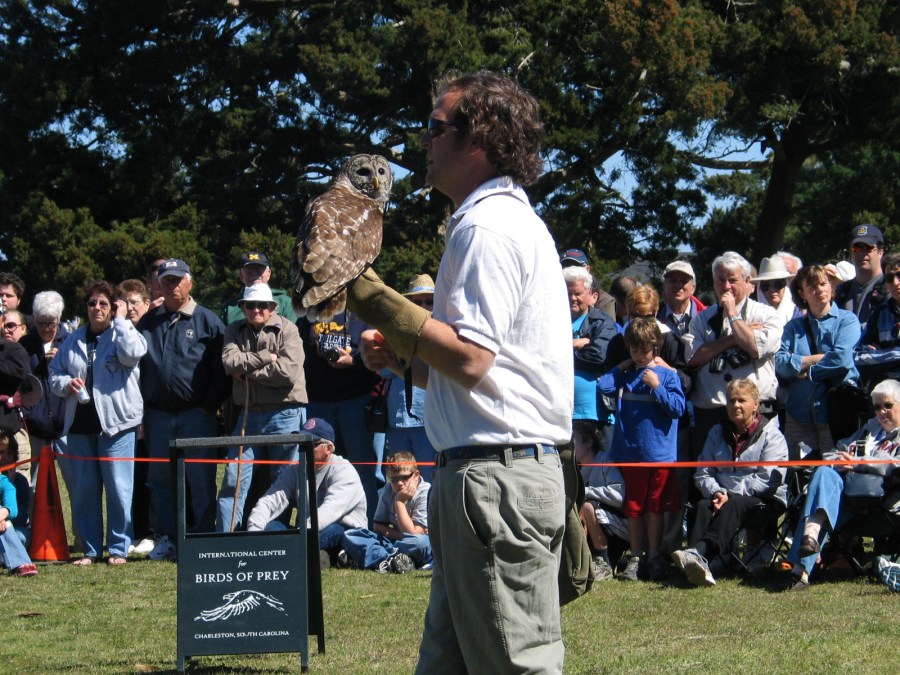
<point>502,118</point>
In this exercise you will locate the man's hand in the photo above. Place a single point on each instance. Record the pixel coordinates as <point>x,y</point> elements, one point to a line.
<point>728,304</point>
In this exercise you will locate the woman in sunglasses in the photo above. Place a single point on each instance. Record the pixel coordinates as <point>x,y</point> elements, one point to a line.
<point>96,370</point>
<point>826,507</point>
<point>878,354</point>
<point>816,354</point>
<point>772,288</point>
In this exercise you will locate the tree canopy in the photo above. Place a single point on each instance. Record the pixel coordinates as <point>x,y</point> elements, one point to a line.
<point>133,131</point>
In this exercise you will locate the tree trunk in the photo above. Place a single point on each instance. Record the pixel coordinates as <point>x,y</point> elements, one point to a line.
<point>790,153</point>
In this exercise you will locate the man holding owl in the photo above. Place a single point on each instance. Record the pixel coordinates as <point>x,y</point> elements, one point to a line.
<point>495,356</point>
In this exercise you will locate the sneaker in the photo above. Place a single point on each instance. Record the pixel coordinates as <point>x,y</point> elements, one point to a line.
<point>695,567</point>
<point>632,570</point>
<point>402,563</point>
<point>343,560</point>
<point>602,570</point>
<point>164,549</point>
<point>143,547</point>
<point>26,570</point>
<point>888,572</point>
<point>657,568</point>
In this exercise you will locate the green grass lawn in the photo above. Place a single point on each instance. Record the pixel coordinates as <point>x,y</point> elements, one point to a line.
<point>103,619</point>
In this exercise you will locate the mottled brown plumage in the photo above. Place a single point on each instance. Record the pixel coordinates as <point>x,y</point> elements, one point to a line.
<point>340,236</point>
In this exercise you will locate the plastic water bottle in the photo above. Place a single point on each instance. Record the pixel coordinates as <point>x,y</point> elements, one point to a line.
<point>84,396</point>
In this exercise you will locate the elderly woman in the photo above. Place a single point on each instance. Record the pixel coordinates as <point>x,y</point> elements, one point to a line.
<point>96,370</point>
<point>824,509</point>
<point>263,354</point>
<point>878,354</point>
<point>816,354</point>
<point>133,292</point>
<point>45,418</point>
<point>730,493</point>
<point>772,288</point>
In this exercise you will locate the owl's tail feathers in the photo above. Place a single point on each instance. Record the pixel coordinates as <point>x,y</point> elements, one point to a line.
<point>398,319</point>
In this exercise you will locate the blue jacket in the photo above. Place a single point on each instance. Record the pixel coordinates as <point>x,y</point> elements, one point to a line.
<point>116,392</point>
<point>647,420</point>
<point>183,366</point>
<point>836,334</point>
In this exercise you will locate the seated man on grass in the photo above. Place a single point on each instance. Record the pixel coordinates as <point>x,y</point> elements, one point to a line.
<point>400,540</point>
<point>340,498</point>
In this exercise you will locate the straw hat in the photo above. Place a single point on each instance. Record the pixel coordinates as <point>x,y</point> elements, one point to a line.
<point>419,285</point>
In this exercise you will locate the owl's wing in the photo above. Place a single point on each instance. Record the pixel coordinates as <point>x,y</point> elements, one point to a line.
<point>340,235</point>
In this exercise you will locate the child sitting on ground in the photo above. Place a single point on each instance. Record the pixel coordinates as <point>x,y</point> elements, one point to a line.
<point>400,540</point>
<point>650,402</point>
<point>604,494</point>
<point>12,548</point>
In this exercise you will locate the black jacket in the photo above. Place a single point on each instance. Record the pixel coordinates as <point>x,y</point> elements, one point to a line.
<point>13,367</point>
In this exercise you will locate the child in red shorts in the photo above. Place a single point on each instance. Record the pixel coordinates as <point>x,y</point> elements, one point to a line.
<point>650,402</point>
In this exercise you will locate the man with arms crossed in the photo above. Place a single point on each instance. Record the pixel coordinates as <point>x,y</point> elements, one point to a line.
<point>496,357</point>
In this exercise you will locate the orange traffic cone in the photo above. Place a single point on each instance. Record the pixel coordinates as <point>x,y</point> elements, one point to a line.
<point>48,531</point>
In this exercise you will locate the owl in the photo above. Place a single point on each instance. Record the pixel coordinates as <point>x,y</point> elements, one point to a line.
<point>340,236</point>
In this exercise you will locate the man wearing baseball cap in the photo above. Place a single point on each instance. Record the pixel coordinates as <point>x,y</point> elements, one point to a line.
<point>183,383</point>
<point>340,499</point>
<point>679,286</point>
<point>255,269</point>
<point>575,257</point>
<point>866,291</point>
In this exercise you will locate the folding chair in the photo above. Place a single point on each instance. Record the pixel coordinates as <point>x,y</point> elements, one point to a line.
<point>870,520</point>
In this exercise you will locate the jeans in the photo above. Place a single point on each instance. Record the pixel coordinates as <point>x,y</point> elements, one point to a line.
<point>259,423</point>
<point>91,478</point>
<point>354,441</point>
<point>329,538</point>
<point>496,531</point>
<point>367,549</point>
<point>12,549</point>
<point>823,492</point>
<point>161,427</point>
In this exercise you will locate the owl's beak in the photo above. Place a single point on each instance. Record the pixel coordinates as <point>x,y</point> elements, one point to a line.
<point>377,184</point>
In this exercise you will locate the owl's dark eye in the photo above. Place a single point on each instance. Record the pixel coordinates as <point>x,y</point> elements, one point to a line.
<point>381,172</point>
<point>362,172</point>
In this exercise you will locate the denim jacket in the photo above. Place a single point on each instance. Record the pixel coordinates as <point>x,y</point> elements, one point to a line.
<point>836,334</point>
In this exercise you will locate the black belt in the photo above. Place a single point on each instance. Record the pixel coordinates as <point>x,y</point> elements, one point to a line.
<point>495,453</point>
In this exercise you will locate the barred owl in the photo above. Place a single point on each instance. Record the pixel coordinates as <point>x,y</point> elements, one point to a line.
<point>340,236</point>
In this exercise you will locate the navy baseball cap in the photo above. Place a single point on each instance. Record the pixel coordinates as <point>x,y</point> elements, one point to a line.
<point>575,255</point>
<point>867,234</point>
<point>319,428</point>
<point>254,258</point>
<point>173,267</point>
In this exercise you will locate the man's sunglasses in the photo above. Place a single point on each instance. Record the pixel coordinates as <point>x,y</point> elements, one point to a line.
<point>773,285</point>
<point>862,248</point>
<point>251,305</point>
<point>436,127</point>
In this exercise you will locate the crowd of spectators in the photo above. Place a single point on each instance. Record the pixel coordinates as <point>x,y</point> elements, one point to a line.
<point>659,377</point>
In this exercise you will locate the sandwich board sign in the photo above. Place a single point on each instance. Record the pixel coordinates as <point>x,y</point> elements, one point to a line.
<point>244,592</point>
